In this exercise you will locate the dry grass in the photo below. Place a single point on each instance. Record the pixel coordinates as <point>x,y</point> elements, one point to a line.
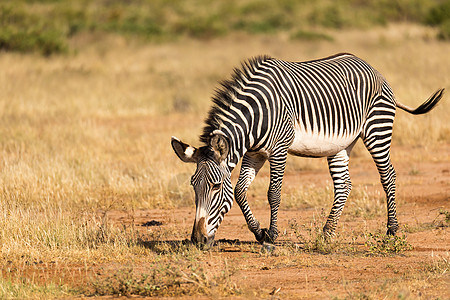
<point>86,134</point>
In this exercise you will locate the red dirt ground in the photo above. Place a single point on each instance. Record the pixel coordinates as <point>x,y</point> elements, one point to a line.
<point>423,189</point>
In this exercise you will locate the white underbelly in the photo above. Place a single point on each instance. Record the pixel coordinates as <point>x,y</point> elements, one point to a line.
<point>319,145</point>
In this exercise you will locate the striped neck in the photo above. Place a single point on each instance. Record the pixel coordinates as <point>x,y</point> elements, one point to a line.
<point>238,143</point>
<point>233,113</point>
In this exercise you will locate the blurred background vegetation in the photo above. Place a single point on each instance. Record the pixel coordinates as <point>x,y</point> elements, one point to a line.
<point>46,26</point>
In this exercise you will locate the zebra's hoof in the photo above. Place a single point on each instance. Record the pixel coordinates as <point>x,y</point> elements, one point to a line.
<point>267,247</point>
<point>263,237</point>
<point>328,235</point>
<point>260,237</point>
<point>391,231</point>
<point>328,231</point>
<point>266,236</point>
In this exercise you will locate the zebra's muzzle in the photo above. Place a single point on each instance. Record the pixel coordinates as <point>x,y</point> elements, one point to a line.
<point>200,235</point>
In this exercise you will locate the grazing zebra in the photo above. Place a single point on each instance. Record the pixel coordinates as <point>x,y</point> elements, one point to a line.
<point>271,108</point>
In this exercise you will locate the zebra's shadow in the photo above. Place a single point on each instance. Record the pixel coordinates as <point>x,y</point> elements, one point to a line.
<point>175,246</point>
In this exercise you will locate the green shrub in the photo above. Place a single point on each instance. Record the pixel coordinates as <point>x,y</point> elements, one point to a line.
<point>76,20</point>
<point>439,14</point>
<point>386,244</point>
<point>401,10</point>
<point>201,27</point>
<point>264,16</point>
<point>23,32</point>
<point>310,36</point>
<point>444,31</point>
<point>330,17</point>
<point>45,26</point>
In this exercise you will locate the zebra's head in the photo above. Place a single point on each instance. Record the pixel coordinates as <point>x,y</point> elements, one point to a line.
<point>211,183</point>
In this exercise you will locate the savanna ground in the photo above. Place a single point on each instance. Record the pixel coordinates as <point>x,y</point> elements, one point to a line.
<point>93,201</point>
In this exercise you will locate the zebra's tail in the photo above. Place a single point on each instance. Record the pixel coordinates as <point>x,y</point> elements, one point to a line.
<point>426,106</point>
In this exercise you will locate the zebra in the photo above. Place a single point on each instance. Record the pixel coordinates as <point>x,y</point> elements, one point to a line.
<point>272,107</point>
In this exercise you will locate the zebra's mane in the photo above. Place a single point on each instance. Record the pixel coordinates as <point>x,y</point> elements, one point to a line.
<point>223,98</point>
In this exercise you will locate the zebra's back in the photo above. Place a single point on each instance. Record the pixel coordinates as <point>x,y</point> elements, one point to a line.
<point>327,100</point>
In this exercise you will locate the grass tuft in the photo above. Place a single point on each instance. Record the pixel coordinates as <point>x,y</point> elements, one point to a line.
<point>313,241</point>
<point>381,244</point>
<point>174,279</point>
<point>446,214</point>
<point>25,289</point>
<point>439,266</point>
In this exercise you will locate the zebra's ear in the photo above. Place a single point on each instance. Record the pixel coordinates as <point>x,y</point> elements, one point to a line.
<point>220,144</point>
<point>185,152</point>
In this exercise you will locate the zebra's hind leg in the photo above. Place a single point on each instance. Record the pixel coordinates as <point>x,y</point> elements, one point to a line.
<point>377,135</point>
<point>380,151</point>
<point>251,164</point>
<point>338,166</point>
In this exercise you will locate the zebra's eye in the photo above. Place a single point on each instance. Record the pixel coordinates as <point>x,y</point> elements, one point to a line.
<point>216,186</point>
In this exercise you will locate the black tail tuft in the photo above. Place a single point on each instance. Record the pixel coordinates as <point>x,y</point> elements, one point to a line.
<point>426,106</point>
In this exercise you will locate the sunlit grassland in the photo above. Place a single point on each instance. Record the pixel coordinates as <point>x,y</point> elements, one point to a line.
<point>87,133</point>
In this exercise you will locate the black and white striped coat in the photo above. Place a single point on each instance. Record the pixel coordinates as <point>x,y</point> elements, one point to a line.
<point>272,107</point>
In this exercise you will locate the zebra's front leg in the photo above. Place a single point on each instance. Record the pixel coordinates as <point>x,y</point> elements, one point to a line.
<point>338,165</point>
<point>277,166</point>
<point>251,164</point>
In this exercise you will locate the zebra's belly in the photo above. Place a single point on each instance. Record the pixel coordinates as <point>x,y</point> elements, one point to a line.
<point>311,144</point>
